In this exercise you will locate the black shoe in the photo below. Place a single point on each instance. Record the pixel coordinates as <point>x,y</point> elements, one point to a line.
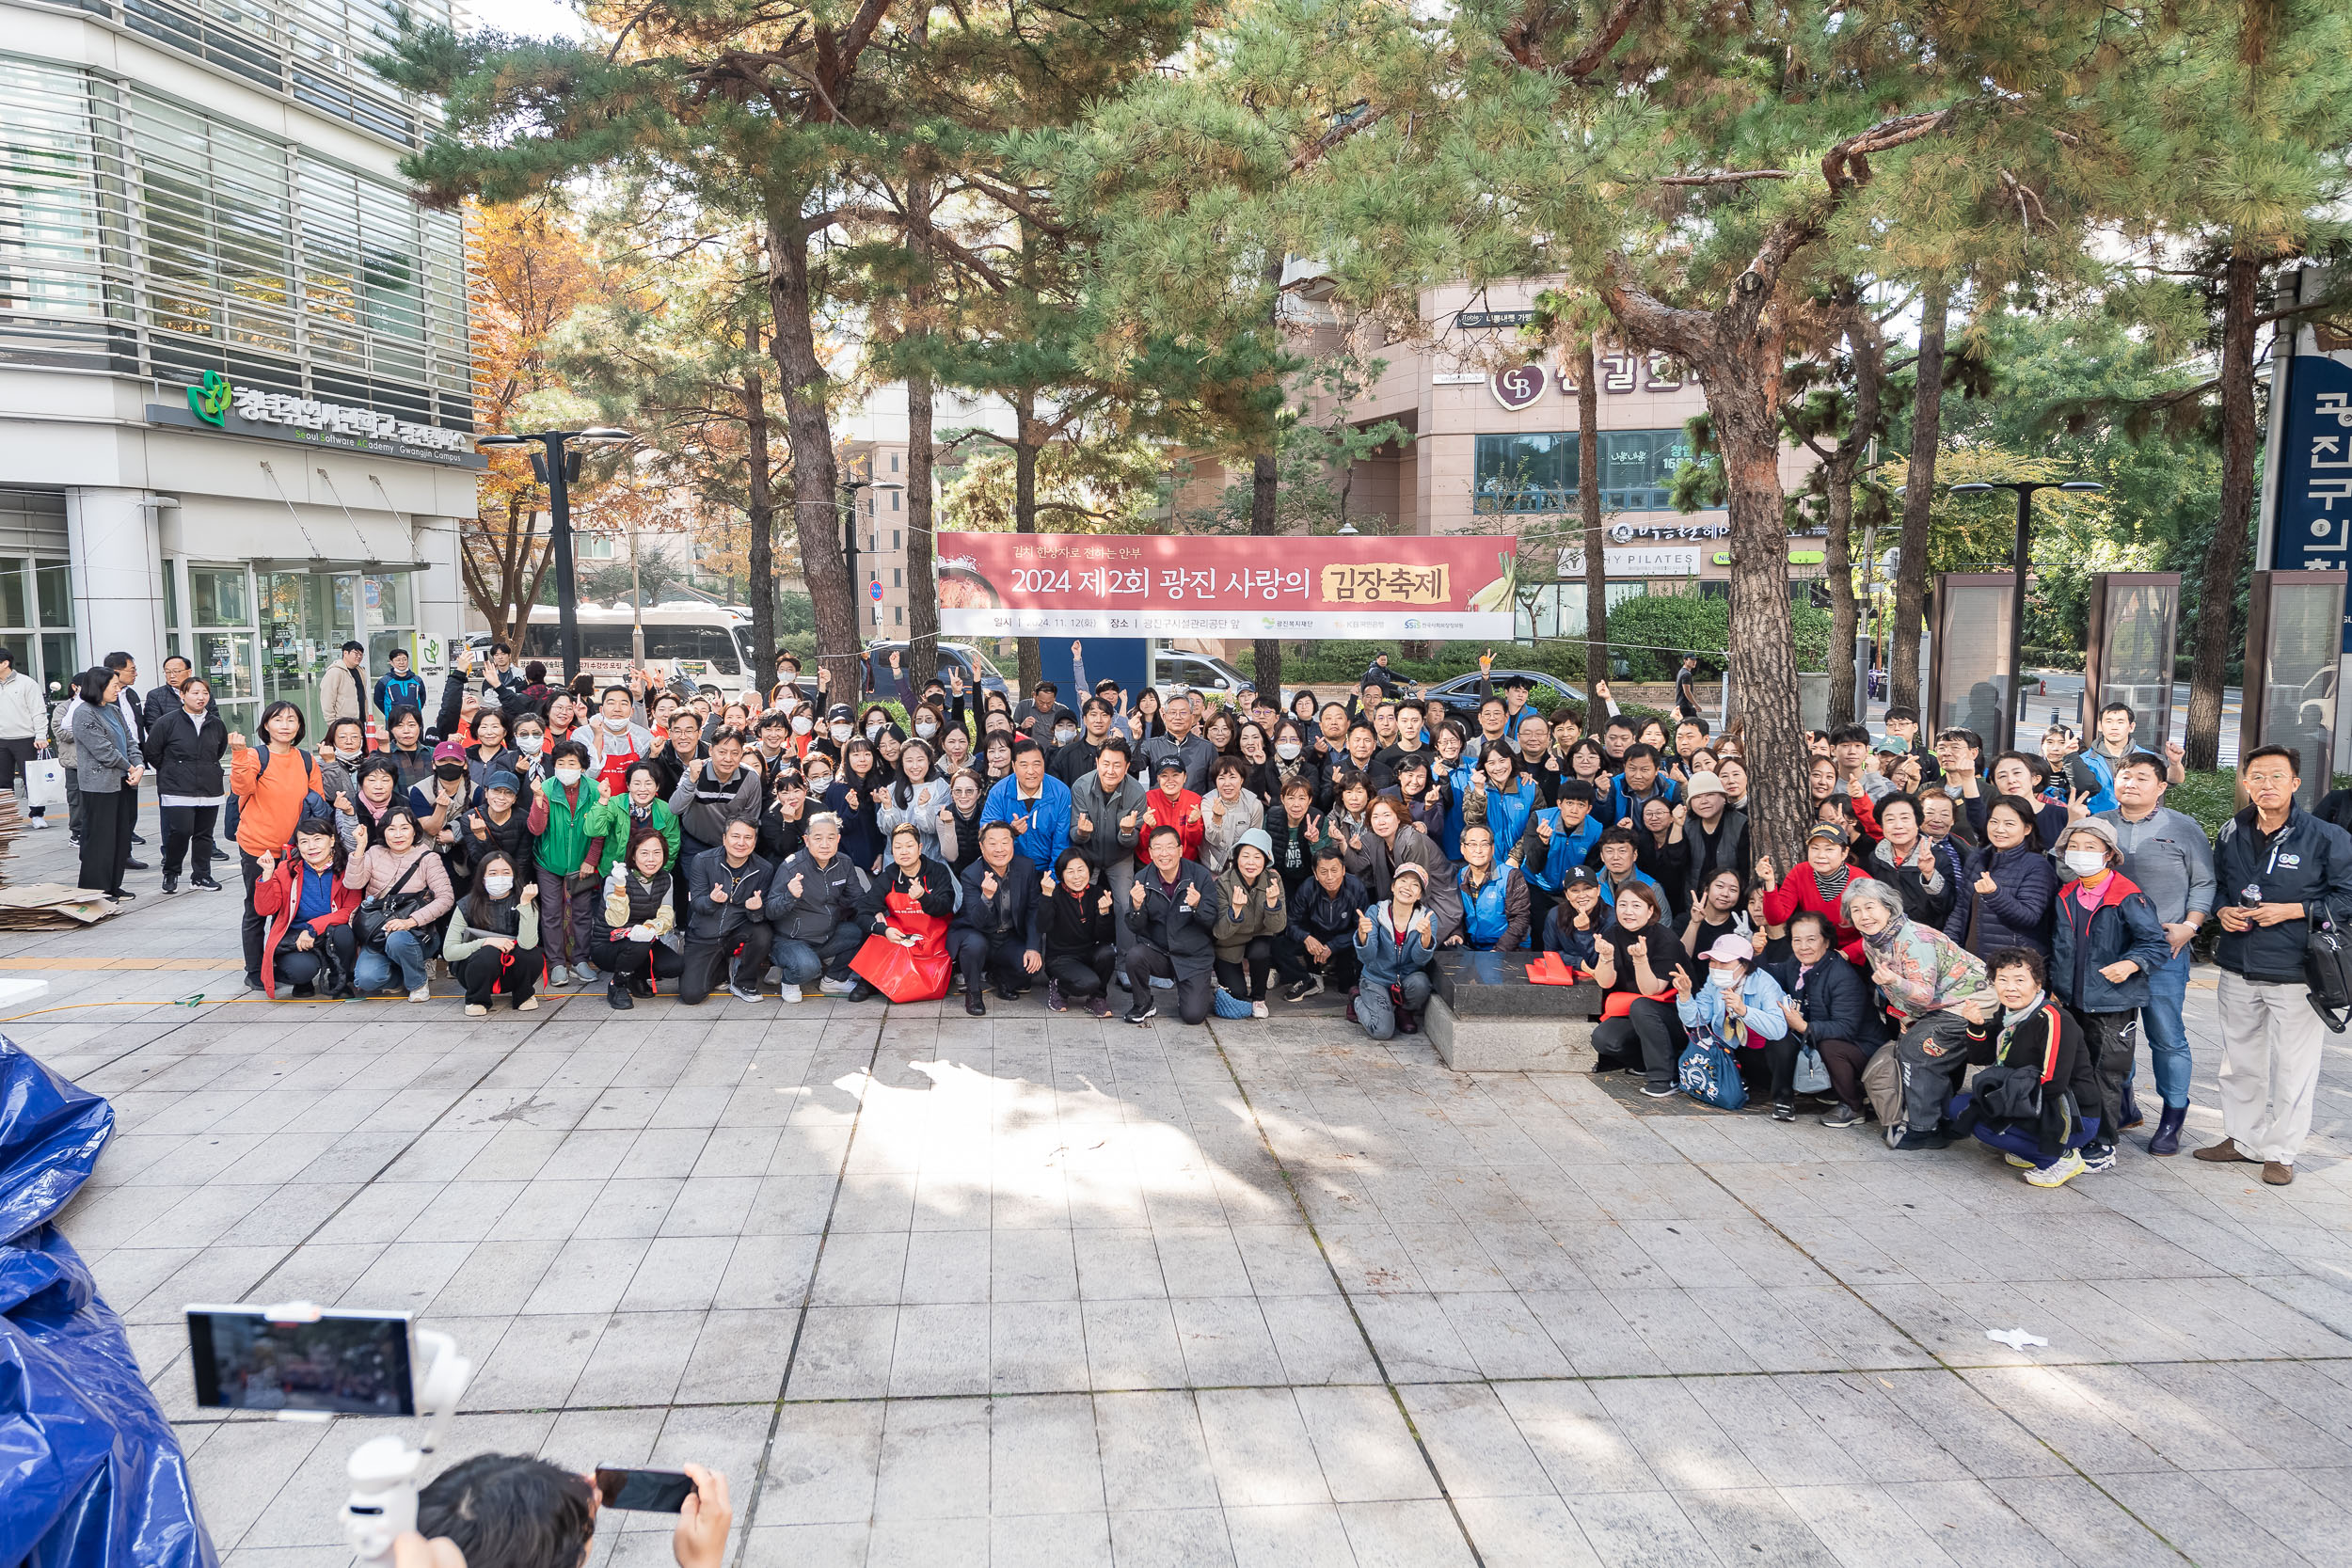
<point>120,896</point>
<point>1142,1012</point>
<point>253,982</point>
<point>1008,993</point>
<point>138,838</point>
<point>973,1004</point>
<point>865,993</point>
<point>134,865</point>
<point>1784,1113</point>
<point>618,994</point>
<point>641,985</point>
<point>205,882</point>
<point>171,885</point>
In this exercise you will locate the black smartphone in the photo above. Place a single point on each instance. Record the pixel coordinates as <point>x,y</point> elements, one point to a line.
<point>346,1363</point>
<point>644,1490</point>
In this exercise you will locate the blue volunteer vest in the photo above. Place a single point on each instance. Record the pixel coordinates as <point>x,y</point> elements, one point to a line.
<point>1568,849</point>
<point>1484,918</point>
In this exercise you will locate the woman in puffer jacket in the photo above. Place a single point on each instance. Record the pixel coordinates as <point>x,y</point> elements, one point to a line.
<point>2106,940</point>
<point>2003,899</point>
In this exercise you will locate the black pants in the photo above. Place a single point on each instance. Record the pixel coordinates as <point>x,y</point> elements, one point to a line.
<point>634,962</point>
<point>292,967</point>
<point>486,967</point>
<point>255,928</point>
<point>1769,1068</point>
<point>106,844</point>
<point>1245,977</point>
<point>2114,1040</point>
<point>746,945</point>
<point>1294,963</point>
<point>1084,973</point>
<point>687,847</point>
<point>1192,991</point>
<point>16,752</point>
<point>984,957</point>
<point>188,832</point>
<point>1650,1039</point>
<point>1845,1061</point>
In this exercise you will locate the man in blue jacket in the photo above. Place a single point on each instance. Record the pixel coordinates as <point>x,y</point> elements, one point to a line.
<point>1035,803</point>
<point>994,935</point>
<point>401,688</point>
<point>2275,866</point>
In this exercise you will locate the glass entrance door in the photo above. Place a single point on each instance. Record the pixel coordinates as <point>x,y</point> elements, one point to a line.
<point>306,619</point>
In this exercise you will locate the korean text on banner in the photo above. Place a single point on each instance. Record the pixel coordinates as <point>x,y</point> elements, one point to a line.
<point>1146,585</point>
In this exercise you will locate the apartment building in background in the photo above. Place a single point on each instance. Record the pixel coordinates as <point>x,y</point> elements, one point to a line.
<point>236,402</point>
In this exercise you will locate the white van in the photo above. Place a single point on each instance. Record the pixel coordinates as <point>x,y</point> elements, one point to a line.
<point>709,644</point>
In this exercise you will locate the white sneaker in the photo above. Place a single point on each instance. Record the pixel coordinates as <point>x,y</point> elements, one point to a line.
<point>2059,1171</point>
<point>422,993</point>
<point>788,992</point>
<point>559,976</point>
<point>40,822</point>
<point>831,987</point>
<point>2019,1161</point>
<point>1257,1010</point>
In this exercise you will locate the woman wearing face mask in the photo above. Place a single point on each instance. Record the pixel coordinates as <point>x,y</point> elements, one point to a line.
<point>905,913</point>
<point>306,907</point>
<point>406,878</point>
<point>855,797</point>
<point>1292,758</point>
<point>560,805</point>
<point>531,747</point>
<point>1745,1007</point>
<point>960,820</point>
<point>2107,940</point>
<point>493,947</point>
<point>930,724</point>
<point>634,915</point>
<point>875,721</point>
<point>614,822</point>
<point>2005,896</point>
<point>914,798</point>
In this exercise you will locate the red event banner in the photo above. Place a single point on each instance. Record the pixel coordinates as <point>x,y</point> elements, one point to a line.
<point>1292,585</point>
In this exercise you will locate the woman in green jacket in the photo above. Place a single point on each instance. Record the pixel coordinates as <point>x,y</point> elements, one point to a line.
<point>615,820</point>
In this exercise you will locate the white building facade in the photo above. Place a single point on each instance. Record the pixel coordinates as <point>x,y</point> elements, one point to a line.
<point>236,395</point>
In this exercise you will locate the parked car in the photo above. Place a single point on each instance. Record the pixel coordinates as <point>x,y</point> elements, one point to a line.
<point>1460,694</point>
<point>1173,672</point>
<point>980,673</point>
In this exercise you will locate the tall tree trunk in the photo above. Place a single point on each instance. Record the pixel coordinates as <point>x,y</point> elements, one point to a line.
<point>817,511</point>
<point>922,585</point>
<point>1911,569</point>
<point>2225,563</point>
<point>1596,542</point>
<point>760,515</point>
<point>1266,515</point>
<point>1869,352</point>
<point>1027,437</point>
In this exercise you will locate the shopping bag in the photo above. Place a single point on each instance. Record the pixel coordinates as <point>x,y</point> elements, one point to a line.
<point>1812,1073</point>
<point>44,782</point>
<point>1707,1073</point>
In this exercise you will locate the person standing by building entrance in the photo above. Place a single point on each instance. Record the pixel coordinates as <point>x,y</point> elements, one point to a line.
<point>23,728</point>
<point>343,690</point>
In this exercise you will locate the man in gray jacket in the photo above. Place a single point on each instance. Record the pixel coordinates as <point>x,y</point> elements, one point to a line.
<point>2166,853</point>
<point>1105,806</point>
<point>1181,741</point>
<point>812,904</point>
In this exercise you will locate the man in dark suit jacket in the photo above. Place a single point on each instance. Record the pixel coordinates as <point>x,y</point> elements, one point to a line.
<point>994,935</point>
<point>165,699</point>
<point>134,720</point>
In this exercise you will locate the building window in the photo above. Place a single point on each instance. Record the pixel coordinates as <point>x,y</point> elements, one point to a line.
<point>898,578</point>
<point>894,543</point>
<point>897,615</point>
<point>593,547</point>
<point>221,612</point>
<point>1536,472</point>
<point>894,461</point>
<point>894,494</point>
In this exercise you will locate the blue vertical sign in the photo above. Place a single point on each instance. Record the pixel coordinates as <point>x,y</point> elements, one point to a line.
<point>2315,512</point>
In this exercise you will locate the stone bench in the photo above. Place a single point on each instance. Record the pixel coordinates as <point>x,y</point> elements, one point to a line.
<point>1484,1016</point>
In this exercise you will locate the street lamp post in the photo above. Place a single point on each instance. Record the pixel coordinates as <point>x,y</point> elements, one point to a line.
<point>556,464</point>
<point>2023,490</point>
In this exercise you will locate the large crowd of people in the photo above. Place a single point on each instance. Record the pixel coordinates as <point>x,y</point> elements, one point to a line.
<point>2026,913</point>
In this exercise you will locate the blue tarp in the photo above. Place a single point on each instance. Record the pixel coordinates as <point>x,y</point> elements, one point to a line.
<point>90,1474</point>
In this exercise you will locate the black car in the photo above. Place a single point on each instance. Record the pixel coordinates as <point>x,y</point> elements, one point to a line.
<point>1460,694</point>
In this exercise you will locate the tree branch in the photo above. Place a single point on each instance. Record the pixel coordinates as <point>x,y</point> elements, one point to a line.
<point>1727,177</point>
<point>1364,117</point>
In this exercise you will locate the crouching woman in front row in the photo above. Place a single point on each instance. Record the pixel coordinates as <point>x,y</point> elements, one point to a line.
<point>2039,1101</point>
<point>493,945</point>
<point>305,909</point>
<point>626,941</point>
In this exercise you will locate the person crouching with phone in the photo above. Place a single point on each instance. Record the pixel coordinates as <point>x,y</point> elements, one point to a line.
<point>512,1511</point>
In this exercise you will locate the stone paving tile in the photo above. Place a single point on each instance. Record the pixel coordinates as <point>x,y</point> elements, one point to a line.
<point>1032,1289</point>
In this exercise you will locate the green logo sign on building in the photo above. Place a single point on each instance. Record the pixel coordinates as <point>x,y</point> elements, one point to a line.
<point>210,397</point>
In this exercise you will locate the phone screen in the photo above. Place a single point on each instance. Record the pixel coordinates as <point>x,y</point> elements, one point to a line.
<point>349,1363</point>
<point>644,1490</point>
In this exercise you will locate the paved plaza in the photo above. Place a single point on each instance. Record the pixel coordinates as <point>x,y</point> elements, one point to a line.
<point>1037,1289</point>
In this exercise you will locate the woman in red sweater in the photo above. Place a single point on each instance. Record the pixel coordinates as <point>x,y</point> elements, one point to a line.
<point>1821,886</point>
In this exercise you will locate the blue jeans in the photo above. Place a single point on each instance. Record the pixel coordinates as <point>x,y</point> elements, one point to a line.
<point>2167,1033</point>
<point>376,967</point>
<point>802,962</point>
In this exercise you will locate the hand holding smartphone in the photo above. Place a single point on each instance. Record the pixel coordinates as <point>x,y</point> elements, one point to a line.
<point>698,1496</point>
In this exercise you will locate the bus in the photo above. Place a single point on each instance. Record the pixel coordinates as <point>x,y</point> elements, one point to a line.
<point>709,644</point>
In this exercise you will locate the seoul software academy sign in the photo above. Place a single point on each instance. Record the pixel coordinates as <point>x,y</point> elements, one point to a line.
<point>215,403</point>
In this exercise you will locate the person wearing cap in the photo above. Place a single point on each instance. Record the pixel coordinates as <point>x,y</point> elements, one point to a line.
<point>496,824</point>
<point>839,729</point>
<point>1036,804</point>
<point>2105,942</point>
<point>438,801</point>
<point>1712,834</point>
<point>1396,944</point>
<point>1820,886</point>
<point>1925,976</point>
<point>1317,952</point>
<point>1171,913</point>
<point>1171,804</point>
<point>343,688</point>
<point>1251,915</point>
<point>1577,919</point>
<point>1745,1007</point>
